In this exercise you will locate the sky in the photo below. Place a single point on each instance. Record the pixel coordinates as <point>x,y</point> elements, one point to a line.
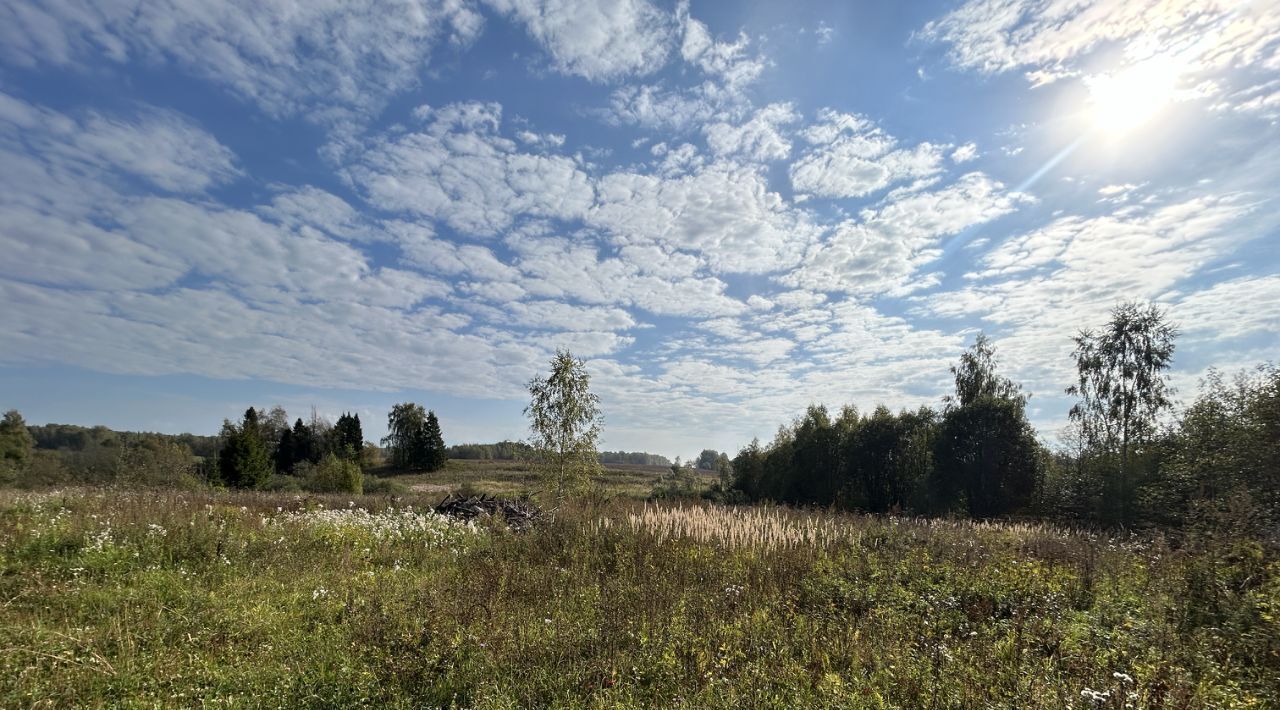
<point>728,210</point>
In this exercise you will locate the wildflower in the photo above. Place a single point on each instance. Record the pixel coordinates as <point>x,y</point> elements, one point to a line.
<point>1122,677</point>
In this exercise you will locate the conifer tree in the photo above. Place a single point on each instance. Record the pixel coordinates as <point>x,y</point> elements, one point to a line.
<point>285,452</point>
<point>348,438</point>
<point>244,461</point>
<point>434,453</point>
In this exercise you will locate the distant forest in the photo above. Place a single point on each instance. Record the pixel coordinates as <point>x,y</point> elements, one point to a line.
<point>512,450</point>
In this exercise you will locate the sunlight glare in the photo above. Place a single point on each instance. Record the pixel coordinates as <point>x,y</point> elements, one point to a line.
<point>1123,100</point>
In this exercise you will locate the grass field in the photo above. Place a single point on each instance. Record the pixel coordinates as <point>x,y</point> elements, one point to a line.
<point>166,599</point>
<point>513,478</point>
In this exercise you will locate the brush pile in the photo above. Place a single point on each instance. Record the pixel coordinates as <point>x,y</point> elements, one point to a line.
<point>519,513</point>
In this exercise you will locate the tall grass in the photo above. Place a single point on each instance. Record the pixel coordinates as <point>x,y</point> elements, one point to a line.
<point>112,598</point>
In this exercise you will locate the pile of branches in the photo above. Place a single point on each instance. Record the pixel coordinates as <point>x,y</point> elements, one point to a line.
<point>520,513</point>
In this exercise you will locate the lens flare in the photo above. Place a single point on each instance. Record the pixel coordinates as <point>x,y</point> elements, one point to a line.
<point>1123,100</point>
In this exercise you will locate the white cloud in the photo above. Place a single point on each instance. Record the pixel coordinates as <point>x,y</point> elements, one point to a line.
<point>599,41</point>
<point>1040,287</point>
<point>759,139</point>
<point>267,52</point>
<point>853,158</point>
<point>1051,40</point>
<point>883,250</point>
<point>459,170</point>
<point>724,212</point>
<point>727,61</point>
<point>558,268</point>
<point>964,153</point>
<point>655,108</point>
<point>422,249</point>
<point>161,147</point>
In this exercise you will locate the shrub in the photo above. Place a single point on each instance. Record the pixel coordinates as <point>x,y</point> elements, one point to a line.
<point>383,486</point>
<point>335,475</point>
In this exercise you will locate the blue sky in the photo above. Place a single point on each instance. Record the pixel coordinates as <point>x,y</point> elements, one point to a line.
<point>730,210</point>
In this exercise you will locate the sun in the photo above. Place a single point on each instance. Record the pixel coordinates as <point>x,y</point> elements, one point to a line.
<point>1123,100</point>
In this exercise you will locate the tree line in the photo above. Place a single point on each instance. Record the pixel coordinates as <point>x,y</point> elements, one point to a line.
<point>507,450</point>
<point>1126,459</point>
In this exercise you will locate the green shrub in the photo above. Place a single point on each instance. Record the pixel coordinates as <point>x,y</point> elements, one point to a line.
<point>383,486</point>
<point>280,483</point>
<point>45,469</point>
<point>335,475</point>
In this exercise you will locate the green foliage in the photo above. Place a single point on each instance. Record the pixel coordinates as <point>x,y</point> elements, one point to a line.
<point>335,475</point>
<point>707,459</point>
<point>976,377</point>
<point>16,442</point>
<point>681,482</point>
<point>501,451</point>
<point>1123,389</point>
<point>1225,453</point>
<point>986,457</point>
<point>564,423</point>
<point>160,464</point>
<point>434,454</point>
<point>347,437</point>
<point>243,461</point>
<point>639,458</point>
<point>307,444</point>
<point>413,438</point>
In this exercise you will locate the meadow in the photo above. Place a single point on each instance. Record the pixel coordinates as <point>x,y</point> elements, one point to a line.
<point>515,478</point>
<point>119,598</point>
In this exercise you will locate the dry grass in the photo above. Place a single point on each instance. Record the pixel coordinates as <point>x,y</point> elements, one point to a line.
<point>166,599</point>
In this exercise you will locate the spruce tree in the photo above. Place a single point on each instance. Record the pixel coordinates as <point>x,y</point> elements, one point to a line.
<point>244,461</point>
<point>348,439</point>
<point>285,452</point>
<point>434,453</point>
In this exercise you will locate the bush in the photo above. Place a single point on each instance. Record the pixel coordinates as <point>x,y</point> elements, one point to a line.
<point>46,469</point>
<point>383,486</point>
<point>158,465</point>
<point>335,475</point>
<point>281,483</point>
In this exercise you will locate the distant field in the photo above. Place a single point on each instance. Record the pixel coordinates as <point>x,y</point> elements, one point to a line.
<point>511,478</point>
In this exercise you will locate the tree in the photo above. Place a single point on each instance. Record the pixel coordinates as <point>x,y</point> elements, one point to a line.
<point>305,445</point>
<point>1227,447</point>
<point>404,434</point>
<point>814,475</point>
<point>434,453</point>
<point>707,459</point>
<point>724,471</point>
<point>286,452</point>
<point>565,422</point>
<point>348,438</point>
<point>1123,388</point>
<point>243,461</point>
<point>986,453</point>
<point>976,377</point>
<point>987,456</point>
<point>748,470</point>
<point>16,442</point>
<point>887,459</point>
<point>272,425</point>
<point>413,438</point>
